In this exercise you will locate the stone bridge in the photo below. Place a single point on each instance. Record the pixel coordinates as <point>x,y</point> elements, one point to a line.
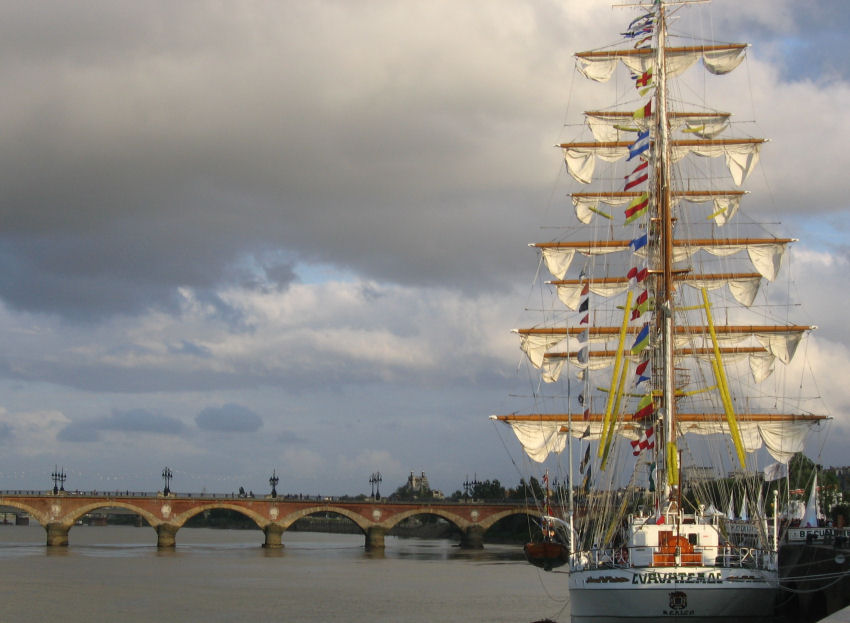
<point>168,513</point>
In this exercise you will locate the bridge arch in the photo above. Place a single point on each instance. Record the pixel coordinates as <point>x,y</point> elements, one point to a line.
<point>362,522</point>
<point>490,521</point>
<point>42,518</point>
<point>180,520</point>
<point>78,513</point>
<point>456,520</point>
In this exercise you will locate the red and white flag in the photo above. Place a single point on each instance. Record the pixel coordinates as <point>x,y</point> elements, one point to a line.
<point>638,176</point>
<point>646,441</point>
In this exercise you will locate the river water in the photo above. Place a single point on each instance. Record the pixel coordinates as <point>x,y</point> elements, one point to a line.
<point>117,573</point>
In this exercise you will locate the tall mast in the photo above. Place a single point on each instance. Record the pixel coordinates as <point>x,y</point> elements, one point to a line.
<point>666,257</point>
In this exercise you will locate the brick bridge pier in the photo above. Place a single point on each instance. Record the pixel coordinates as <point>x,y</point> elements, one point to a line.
<point>167,514</point>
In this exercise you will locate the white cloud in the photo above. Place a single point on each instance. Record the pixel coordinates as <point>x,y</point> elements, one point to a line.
<point>32,433</point>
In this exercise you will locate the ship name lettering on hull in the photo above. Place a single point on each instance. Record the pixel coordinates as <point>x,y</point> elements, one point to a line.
<point>681,577</point>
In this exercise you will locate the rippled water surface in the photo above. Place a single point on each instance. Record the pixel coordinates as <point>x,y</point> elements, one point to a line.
<point>117,573</point>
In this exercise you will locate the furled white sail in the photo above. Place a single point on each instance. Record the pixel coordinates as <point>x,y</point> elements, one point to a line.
<point>741,158</point>
<point>553,366</point>
<point>743,289</point>
<point>558,259</point>
<point>581,161</point>
<point>586,207</point>
<point>536,345</point>
<point>720,60</point>
<point>539,439</point>
<point>608,127</point>
<point>782,438</point>
<point>781,345</point>
<point>725,204</point>
<point>761,363</point>
<point>570,293</point>
<point>765,256</point>
<point>741,155</point>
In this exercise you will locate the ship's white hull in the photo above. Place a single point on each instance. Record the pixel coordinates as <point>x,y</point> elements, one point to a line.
<point>694,594</point>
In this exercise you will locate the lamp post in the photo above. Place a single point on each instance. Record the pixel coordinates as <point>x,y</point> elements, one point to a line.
<point>375,481</point>
<point>273,482</point>
<point>469,486</point>
<point>166,478</point>
<point>58,477</point>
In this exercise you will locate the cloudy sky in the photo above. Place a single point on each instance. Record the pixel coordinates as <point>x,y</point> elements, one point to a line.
<point>247,236</point>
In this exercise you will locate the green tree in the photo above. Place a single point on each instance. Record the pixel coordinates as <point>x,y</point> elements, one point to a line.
<point>488,490</point>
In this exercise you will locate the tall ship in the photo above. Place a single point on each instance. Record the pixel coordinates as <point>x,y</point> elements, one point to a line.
<point>660,399</point>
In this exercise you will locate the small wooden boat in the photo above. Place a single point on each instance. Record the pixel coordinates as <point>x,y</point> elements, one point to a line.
<point>546,554</point>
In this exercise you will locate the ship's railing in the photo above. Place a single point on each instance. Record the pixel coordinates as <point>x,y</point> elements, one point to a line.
<point>747,557</point>
<point>627,557</point>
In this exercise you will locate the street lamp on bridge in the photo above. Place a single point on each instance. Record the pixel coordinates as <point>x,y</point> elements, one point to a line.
<point>273,482</point>
<point>166,478</point>
<point>58,480</point>
<point>470,485</point>
<point>375,481</point>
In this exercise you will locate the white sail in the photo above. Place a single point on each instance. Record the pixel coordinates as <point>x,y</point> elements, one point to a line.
<point>741,158</point>
<point>742,288</point>
<point>539,439</point>
<point>536,346</point>
<point>720,60</point>
<point>608,127</point>
<point>782,437</point>
<point>726,204</point>
<point>558,259</point>
<point>761,362</point>
<point>766,257</point>
<point>765,254</point>
<point>741,155</point>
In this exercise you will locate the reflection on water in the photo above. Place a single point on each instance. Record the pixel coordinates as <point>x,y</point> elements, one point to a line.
<point>128,542</point>
<point>225,575</point>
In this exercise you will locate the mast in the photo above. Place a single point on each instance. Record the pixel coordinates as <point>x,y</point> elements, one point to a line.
<point>668,415</point>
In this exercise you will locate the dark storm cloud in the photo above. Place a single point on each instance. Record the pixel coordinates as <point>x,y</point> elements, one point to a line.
<point>280,275</point>
<point>153,147</point>
<point>130,421</point>
<point>6,433</point>
<point>230,418</point>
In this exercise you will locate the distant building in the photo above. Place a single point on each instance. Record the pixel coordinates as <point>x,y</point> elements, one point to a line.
<point>419,487</point>
<point>418,483</point>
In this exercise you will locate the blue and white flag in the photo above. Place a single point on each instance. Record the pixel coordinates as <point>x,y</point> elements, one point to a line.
<point>640,145</point>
